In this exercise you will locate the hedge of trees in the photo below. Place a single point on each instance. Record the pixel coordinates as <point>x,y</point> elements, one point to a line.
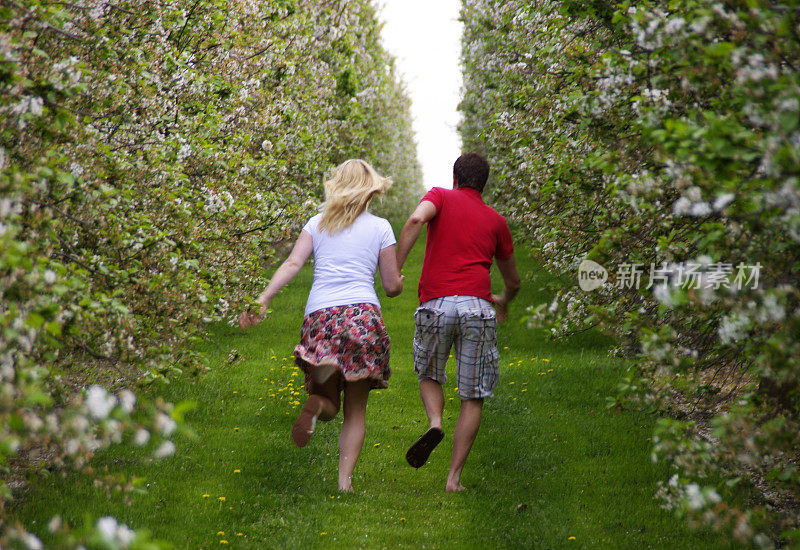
<point>152,153</point>
<point>661,140</point>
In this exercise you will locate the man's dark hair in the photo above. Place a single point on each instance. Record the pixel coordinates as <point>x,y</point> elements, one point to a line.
<point>471,170</point>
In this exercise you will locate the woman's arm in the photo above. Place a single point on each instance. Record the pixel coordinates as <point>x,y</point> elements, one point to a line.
<point>391,279</point>
<point>286,272</point>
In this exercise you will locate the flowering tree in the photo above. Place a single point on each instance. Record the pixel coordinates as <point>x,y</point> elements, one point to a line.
<point>152,152</point>
<point>655,139</point>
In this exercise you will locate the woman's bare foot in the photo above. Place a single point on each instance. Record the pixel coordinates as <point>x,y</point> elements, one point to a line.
<point>346,488</point>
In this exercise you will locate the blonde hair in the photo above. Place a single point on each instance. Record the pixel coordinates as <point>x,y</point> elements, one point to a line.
<point>348,193</point>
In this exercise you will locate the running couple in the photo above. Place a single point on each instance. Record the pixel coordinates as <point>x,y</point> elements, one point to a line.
<point>344,346</point>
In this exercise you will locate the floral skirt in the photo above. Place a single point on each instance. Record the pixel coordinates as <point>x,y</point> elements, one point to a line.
<point>351,339</point>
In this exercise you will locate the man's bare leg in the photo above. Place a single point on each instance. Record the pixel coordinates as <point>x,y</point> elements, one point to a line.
<point>433,399</point>
<point>469,420</point>
<point>432,396</point>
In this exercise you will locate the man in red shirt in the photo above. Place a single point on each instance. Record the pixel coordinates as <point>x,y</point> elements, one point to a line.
<point>464,236</point>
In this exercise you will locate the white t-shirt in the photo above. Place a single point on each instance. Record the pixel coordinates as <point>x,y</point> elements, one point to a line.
<point>345,263</point>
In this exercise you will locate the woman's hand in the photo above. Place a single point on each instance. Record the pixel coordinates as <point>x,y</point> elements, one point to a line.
<point>247,320</point>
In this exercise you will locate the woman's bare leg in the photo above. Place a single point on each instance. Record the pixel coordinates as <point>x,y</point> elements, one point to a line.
<point>354,427</point>
<point>331,399</point>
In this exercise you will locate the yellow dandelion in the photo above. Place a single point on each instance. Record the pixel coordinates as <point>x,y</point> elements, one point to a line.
<point>236,429</point>
<point>230,507</point>
<point>220,533</point>
<point>222,499</point>
<point>266,379</point>
<point>237,471</point>
<point>377,445</point>
<point>505,347</point>
<point>273,357</point>
<point>451,399</point>
<point>402,519</point>
<point>239,534</point>
<point>451,356</point>
<point>511,383</point>
<point>331,496</point>
<point>260,398</point>
<point>223,541</point>
<point>549,370</point>
<point>524,389</point>
<point>323,533</point>
<point>570,538</point>
<point>235,392</point>
<point>546,360</point>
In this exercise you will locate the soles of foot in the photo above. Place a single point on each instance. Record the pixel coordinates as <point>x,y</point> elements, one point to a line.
<point>419,452</point>
<point>304,425</point>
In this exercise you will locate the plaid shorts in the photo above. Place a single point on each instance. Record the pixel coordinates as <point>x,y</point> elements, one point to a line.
<point>467,323</point>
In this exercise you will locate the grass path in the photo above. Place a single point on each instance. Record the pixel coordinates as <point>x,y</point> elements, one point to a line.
<point>550,463</point>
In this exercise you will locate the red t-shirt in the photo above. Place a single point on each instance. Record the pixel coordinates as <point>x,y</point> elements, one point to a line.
<point>463,238</point>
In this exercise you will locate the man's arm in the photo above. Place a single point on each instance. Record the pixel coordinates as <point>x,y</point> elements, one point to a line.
<point>511,282</point>
<point>411,230</point>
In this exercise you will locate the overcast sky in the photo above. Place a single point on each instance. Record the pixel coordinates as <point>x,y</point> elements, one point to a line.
<point>425,37</point>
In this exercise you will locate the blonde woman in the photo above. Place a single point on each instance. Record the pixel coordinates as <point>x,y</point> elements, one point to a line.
<point>343,342</point>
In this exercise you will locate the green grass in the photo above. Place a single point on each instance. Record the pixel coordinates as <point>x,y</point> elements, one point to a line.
<point>550,461</point>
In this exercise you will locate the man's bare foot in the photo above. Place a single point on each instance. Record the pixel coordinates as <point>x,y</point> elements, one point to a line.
<point>454,487</point>
<point>346,489</point>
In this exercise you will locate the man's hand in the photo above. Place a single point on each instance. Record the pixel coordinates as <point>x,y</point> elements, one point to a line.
<point>511,281</point>
<point>500,307</point>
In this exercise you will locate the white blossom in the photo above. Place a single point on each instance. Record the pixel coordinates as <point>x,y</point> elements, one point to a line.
<point>141,437</point>
<point>115,533</point>
<point>165,424</point>
<point>107,527</point>
<point>127,399</point>
<point>99,402</point>
<point>723,200</point>
<point>699,209</point>
<point>733,328</point>
<point>167,448</point>
<point>681,206</point>
<point>674,24</point>
<point>694,497</point>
